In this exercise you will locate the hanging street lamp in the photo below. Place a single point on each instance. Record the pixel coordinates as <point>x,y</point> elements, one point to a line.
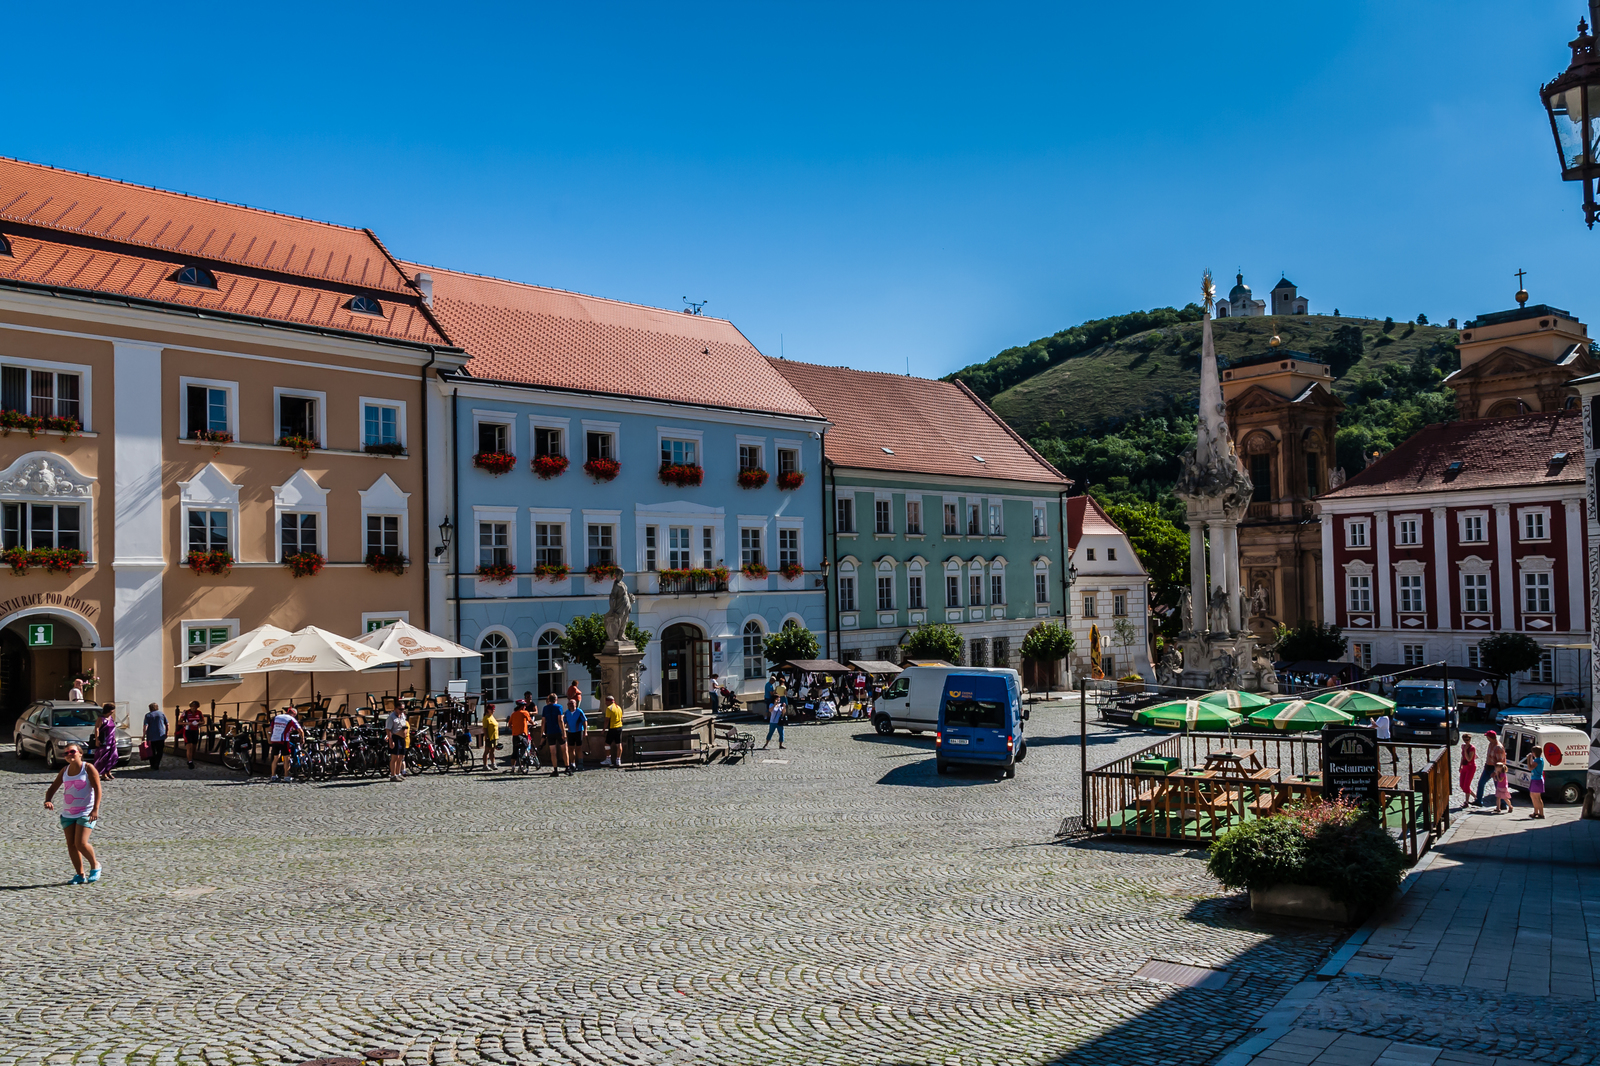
<point>1573,103</point>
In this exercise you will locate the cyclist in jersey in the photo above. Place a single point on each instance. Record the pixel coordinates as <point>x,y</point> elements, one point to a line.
<point>284,725</point>
<point>80,810</point>
<point>190,723</point>
<point>518,723</point>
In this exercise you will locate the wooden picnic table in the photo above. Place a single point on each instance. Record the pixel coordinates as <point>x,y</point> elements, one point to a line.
<point>1237,761</point>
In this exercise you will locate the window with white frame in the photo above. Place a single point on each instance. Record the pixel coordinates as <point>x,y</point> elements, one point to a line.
<point>1119,605</point>
<point>1475,593</point>
<point>602,544</point>
<point>997,588</point>
<point>1041,588</point>
<point>882,516</point>
<point>750,457</point>
<point>847,593</point>
<point>383,534</point>
<point>1413,655</point>
<point>1361,654</point>
<point>974,520</point>
<point>44,525</point>
<point>600,445</point>
<point>650,547</point>
<point>844,509</point>
<point>495,667</point>
<point>788,547</point>
<point>208,408</point>
<point>788,463</point>
<point>549,441</point>
<point>1536,593</point>
<point>494,543</point>
<point>885,592</point>
<point>675,452</point>
<point>41,392</point>
<point>1408,531</point>
<point>1355,533</point>
<point>754,653</point>
<point>208,531</point>
<point>1358,593</point>
<point>750,546</point>
<point>1474,528</point>
<point>1536,523</point>
<point>494,437</point>
<point>382,424</point>
<point>914,598</point>
<point>952,590</point>
<point>1411,594</point>
<point>1475,656</point>
<point>549,544</point>
<point>201,637</point>
<point>297,534</point>
<point>300,415</point>
<point>680,548</point>
<point>1545,672</point>
<point>997,524</point>
<point>708,549</point>
<point>952,522</point>
<point>1089,606</point>
<point>914,518</point>
<point>975,590</point>
<point>549,663</point>
<point>1041,520</point>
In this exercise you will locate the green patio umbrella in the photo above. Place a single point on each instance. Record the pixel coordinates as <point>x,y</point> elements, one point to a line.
<point>1187,714</point>
<point>1298,715</point>
<point>1234,700</point>
<point>1353,701</point>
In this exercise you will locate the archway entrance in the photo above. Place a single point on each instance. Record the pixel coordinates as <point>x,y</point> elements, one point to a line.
<point>685,667</point>
<point>40,654</point>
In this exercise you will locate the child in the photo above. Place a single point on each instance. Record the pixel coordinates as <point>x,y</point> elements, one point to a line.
<point>1502,790</point>
<point>491,738</point>
<point>80,810</point>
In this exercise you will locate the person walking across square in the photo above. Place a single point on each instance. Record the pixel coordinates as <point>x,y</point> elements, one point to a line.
<point>1495,755</point>
<point>80,810</point>
<point>155,735</point>
<point>555,734</point>
<point>577,729</point>
<point>1502,790</point>
<point>190,722</point>
<point>775,720</point>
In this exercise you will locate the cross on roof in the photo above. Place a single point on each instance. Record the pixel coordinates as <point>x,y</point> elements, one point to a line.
<point>1520,275</point>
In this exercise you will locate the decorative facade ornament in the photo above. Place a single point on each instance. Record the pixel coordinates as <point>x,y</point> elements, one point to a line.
<point>46,476</point>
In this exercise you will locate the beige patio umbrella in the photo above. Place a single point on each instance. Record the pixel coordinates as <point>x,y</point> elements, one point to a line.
<point>312,651</point>
<point>244,646</point>
<point>409,642</point>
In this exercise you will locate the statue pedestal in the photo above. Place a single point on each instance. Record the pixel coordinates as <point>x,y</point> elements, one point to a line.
<point>619,677</point>
<point>1221,661</point>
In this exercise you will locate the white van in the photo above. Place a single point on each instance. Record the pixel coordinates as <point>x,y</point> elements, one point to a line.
<point>1562,741</point>
<point>912,702</point>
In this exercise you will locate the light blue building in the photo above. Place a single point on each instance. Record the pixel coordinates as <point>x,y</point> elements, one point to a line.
<point>649,425</point>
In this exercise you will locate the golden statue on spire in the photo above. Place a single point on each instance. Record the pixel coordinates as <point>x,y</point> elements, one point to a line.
<point>1208,291</point>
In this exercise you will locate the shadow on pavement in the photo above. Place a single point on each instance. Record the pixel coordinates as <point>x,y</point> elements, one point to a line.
<point>923,775</point>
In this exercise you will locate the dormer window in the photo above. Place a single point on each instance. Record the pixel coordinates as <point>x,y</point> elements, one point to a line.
<point>365,305</point>
<point>5,245</point>
<point>199,277</point>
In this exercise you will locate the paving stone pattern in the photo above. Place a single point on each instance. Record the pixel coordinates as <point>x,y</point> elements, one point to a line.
<point>838,904</point>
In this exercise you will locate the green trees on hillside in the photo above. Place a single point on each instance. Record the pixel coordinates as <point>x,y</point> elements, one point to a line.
<point>1384,408</point>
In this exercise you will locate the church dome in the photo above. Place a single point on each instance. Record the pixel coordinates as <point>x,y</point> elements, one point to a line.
<point>1240,291</point>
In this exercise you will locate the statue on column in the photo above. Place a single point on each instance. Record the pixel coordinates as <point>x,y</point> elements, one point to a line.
<point>1217,622</point>
<point>619,610</point>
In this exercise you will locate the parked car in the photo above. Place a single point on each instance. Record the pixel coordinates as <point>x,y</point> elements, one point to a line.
<point>48,726</point>
<point>1545,703</point>
<point>1425,713</point>
<point>1563,740</point>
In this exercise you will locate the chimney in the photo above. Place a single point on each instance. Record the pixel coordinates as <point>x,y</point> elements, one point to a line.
<point>425,283</point>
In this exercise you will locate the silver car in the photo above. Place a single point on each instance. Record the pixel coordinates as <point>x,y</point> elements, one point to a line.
<point>48,726</point>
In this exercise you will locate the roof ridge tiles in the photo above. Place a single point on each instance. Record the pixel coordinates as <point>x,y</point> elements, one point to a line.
<point>415,265</point>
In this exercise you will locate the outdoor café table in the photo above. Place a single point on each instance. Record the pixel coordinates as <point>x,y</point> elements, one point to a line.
<point>1301,788</point>
<point>1182,792</point>
<point>1236,762</point>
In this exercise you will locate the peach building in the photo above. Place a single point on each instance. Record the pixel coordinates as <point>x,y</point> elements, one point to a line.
<point>189,386</point>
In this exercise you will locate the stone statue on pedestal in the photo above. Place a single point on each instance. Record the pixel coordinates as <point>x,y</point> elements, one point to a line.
<point>1217,618</point>
<point>619,610</point>
<point>619,661</point>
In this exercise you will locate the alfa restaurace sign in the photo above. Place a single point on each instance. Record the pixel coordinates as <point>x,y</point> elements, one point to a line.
<point>1350,762</point>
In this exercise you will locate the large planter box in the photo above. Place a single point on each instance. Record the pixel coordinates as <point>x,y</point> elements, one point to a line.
<point>1299,901</point>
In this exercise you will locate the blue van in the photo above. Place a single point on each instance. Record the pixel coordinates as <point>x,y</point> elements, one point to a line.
<point>980,722</point>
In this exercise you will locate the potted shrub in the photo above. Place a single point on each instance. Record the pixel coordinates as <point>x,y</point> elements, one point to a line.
<point>387,562</point>
<point>604,572</point>
<point>1130,683</point>
<point>496,463</point>
<point>791,479</point>
<point>551,571</point>
<point>219,563</point>
<point>752,478</point>
<point>390,448</point>
<point>499,572</point>
<point>304,564</point>
<point>1327,860</point>
<point>549,466</point>
<point>753,570</point>
<point>791,570</point>
<point>681,474</point>
<point>602,470</point>
<point>304,445</point>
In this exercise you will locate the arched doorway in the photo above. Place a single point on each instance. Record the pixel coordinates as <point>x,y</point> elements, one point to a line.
<point>685,667</point>
<point>41,652</point>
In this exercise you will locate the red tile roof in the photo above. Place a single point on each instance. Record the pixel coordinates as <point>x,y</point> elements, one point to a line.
<point>551,338</point>
<point>1495,453</point>
<point>189,227</point>
<point>1085,515</point>
<point>930,427</point>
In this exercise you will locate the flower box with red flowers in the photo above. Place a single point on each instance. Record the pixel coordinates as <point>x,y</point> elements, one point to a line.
<point>681,474</point>
<point>753,570</point>
<point>391,448</point>
<point>791,479</point>
<point>551,571</point>
<point>52,560</point>
<point>496,463</point>
<point>304,564</point>
<point>218,563</point>
<point>500,572</point>
<point>791,570</point>
<point>671,580</point>
<point>549,466</point>
<point>304,445</point>
<point>602,469</point>
<point>36,424</point>
<point>387,562</point>
<point>604,572</point>
<point>752,478</point>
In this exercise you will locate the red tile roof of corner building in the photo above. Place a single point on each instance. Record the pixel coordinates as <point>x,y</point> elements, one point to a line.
<point>190,227</point>
<point>1495,453</point>
<point>932,427</point>
<point>528,334</point>
<point>1085,515</point>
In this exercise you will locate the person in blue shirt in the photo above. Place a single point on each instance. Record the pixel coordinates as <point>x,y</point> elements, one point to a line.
<point>1535,764</point>
<point>577,728</point>
<point>555,734</point>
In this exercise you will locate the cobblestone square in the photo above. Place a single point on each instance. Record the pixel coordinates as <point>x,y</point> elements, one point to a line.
<point>835,902</point>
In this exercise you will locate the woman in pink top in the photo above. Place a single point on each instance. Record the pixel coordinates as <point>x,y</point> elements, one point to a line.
<point>80,810</point>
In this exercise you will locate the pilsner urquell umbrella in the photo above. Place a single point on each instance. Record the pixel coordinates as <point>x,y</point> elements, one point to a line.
<point>409,642</point>
<point>1353,701</point>
<point>1234,700</point>
<point>1297,715</point>
<point>314,651</point>
<point>1187,714</point>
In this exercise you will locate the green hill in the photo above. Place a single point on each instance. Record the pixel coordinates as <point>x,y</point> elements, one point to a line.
<point>1156,371</point>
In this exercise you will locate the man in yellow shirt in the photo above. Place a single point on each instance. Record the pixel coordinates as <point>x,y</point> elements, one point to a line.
<point>613,734</point>
<point>491,738</point>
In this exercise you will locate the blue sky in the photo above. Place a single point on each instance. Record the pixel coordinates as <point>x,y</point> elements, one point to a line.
<point>859,184</point>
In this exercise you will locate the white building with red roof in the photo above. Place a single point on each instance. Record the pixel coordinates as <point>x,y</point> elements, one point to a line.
<point>1109,590</point>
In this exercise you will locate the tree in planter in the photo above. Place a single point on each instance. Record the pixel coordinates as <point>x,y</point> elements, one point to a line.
<point>1047,642</point>
<point>793,641</point>
<point>937,640</point>
<point>1509,653</point>
<point>585,639</point>
<point>1310,640</point>
<point>1124,634</point>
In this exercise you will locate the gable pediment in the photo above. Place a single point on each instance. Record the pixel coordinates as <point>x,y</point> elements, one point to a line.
<point>1506,361</point>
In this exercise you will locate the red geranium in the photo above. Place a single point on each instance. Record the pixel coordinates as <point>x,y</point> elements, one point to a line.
<point>496,463</point>
<point>602,469</point>
<point>549,466</point>
<point>752,478</point>
<point>791,479</point>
